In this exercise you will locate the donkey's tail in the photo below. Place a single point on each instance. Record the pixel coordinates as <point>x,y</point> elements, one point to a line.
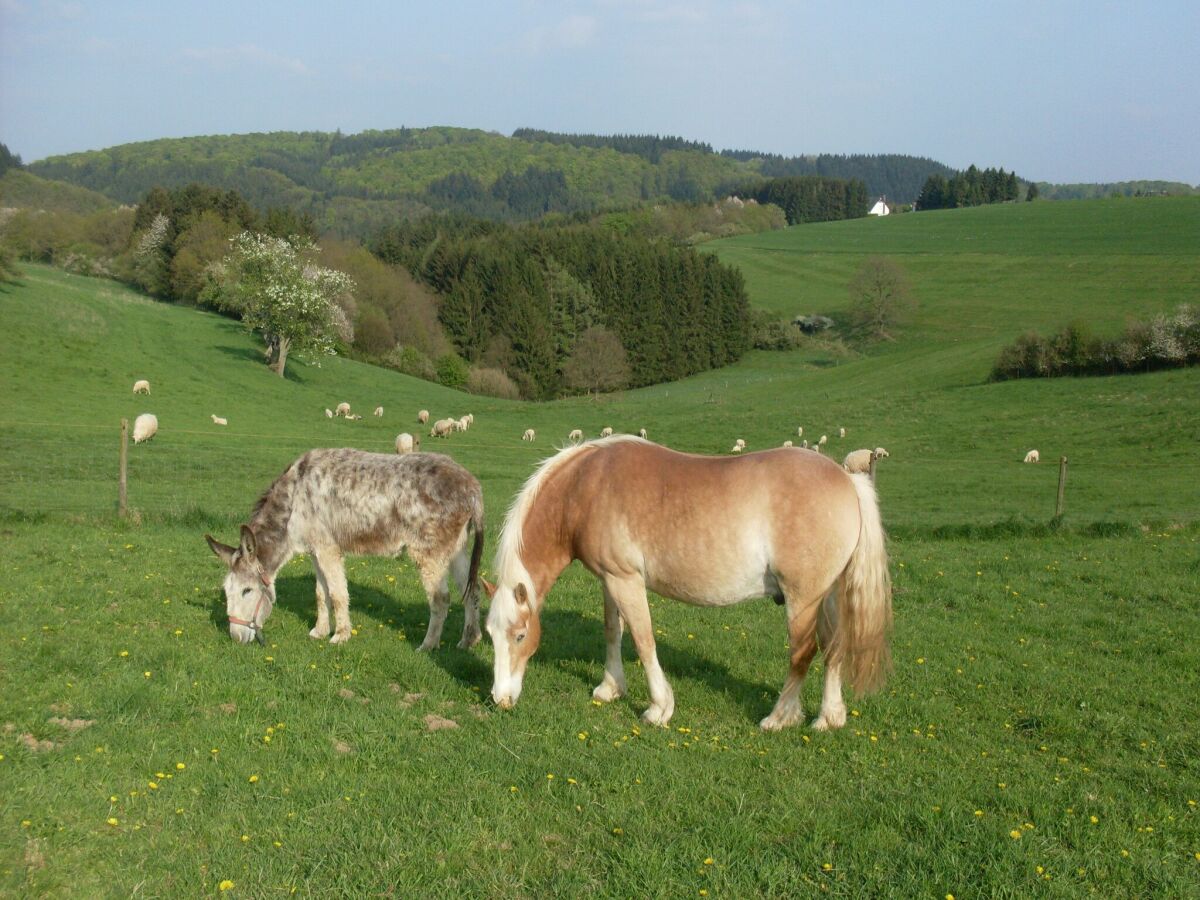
<point>865,600</point>
<point>472,584</point>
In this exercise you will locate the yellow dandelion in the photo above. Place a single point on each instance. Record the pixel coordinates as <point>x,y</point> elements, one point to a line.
<point>145,674</point>
<point>180,766</point>
<point>153,785</point>
<point>225,885</point>
<point>827,866</point>
<point>920,660</point>
<point>572,781</point>
<point>549,776</point>
<point>1125,853</point>
<point>583,735</point>
<point>1093,820</point>
<point>253,779</point>
<point>277,843</point>
<point>512,788</point>
<point>1038,869</point>
<point>618,830</point>
<point>708,860</point>
<point>113,822</point>
<point>124,653</point>
<point>245,838</point>
<point>703,892</point>
<point>949,897</point>
<point>1015,834</point>
<point>978,813</point>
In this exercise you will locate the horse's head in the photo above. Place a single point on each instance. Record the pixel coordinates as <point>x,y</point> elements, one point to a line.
<point>249,590</point>
<point>516,629</point>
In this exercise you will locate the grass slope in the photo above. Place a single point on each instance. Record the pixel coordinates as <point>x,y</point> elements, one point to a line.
<point>1029,740</point>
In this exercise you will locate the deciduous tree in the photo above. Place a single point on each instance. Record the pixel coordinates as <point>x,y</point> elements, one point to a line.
<point>881,297</point>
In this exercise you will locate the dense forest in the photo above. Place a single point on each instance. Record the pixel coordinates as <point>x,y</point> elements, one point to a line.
<point>973,187</point>
<point>352,185</point>
<point>523,299</point>
<point>810,198</point>
<point>1048,191</point>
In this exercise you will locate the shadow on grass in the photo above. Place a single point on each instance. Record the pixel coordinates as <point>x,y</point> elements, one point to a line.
<point>254,355</point>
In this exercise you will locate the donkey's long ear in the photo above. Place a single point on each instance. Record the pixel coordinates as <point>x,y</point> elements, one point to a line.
<point>488,587</point>
<point>521,595</point>
<point>249,546</point>
<point>224,551</point>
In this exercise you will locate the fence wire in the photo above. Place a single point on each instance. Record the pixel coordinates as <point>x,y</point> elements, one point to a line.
<point>66,468</point>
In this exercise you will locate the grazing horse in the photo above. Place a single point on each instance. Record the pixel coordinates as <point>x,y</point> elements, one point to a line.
<point>331,502</point>
<point>708,531</point>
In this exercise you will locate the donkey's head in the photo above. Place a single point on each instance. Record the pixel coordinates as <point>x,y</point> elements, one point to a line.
<point>249,590</point>
<point>516,629</point>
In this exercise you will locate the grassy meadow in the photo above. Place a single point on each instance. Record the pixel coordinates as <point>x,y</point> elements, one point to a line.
<point>1037,737</point>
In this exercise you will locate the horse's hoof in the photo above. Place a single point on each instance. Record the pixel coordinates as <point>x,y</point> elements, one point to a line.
<point>829,722</point>
<point>656,716</point>
<point>777,721</point>
<point>607,691</point>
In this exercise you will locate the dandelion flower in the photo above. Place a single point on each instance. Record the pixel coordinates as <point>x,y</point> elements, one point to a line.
<point>180,766</point>
<point>113,822</point>
<point>708,861</point>
<point>618,830</point>
<point>827,866</point>
<point>254,779</point>
<point>1093,820</point>
<point>1015,834</point>
<point>225,885</point>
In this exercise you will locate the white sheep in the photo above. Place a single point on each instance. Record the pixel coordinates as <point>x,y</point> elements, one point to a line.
<point>423,416</point>
<point>575,436</point>
<point>405,443</point>
<point>145,427</point>
<point>217,420</point>
<point>343,409</point>
<point>606,432</point>
<point>804,444</point>
<point>141,387</point>
<point>800,431</point>
<point>461,424</point>
<point>642,433</point>
<point>442,428</point>
<point>740,444</point>
<point>353,418</point>
<point>816,447</point>
<point>470,417</point>
<point>379,412</point>
<point>328,413</point>
<point>821,442</point>
<point>737,448</point>
<point>1032,456</point>
<point>529,435</point>
<point>860,460</point>
<point>787,443</point>
<point>841,432</point>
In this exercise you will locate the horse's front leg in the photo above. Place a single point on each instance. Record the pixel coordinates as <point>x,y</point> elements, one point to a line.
<point>613,684</point>
<point>629,594</point>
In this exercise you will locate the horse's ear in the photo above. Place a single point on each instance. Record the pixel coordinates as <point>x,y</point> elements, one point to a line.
<point>224,551</point>
<point>249,546</point>
<point>521,595</point>
<point>488,588</point>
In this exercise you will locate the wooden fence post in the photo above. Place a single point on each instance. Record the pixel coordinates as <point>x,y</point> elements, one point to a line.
<point>122,509</point>
<point>1062,488</point>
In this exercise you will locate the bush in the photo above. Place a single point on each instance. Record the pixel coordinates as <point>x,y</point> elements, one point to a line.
<point>452,370</point>
<point>411,361</point>
<point>492,383</point>
<point>770,333</point>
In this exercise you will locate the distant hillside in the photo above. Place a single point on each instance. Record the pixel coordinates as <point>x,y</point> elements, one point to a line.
<point>19,188</point>
<point>1050,191</point>
<point>352,184</point>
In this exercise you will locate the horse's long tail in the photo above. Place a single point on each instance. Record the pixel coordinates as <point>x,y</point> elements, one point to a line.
<point>477,550</point>
<point>865,600</point>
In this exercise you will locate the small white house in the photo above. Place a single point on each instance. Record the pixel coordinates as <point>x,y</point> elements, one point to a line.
<point>880,208</point>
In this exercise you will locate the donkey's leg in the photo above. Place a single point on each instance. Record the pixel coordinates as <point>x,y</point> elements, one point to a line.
<point>460,568</point>
<point>330,560</point>
<point>613,685</point>
<point>629,595</point>
<point>833,707</point>
<point>433,577</point>
<point>323,602</point>
<point>802,638</point>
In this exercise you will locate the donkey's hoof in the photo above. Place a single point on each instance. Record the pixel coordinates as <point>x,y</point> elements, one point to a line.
<point>319,634</point>
<point>468,642</point>
<point>340,637</point>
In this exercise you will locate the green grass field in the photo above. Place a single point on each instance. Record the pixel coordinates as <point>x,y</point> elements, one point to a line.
<point>1037,738</point>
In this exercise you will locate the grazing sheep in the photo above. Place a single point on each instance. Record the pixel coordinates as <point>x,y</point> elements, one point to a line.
<point>737,448</point>
<point>860,460</point>
<point>740,444</point>
<point>575,436</point>
<point>470,417</point>
<point>141,387</point>
<point>353,418</point>
<point>460,424</point>
<point>800,431</point>
<point>1032,456</point>
<point>642,433</point>
<point>804,444</point>
<point>787,443</point>
<point>379,412</point>
<point>816,447</point>
<point>405,443</point>
<point>145,427</point>
<point>343,409</point>
<point>821,442</point>
<point>217,420</point>
<point>442,428</point>
<point>423,416</point>
<point>841,432</point>
<point>606,432</point>
<point>328,413</point>
<point>529,435</point>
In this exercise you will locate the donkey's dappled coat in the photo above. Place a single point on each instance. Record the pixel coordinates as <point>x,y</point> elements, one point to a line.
<point>331,502</point>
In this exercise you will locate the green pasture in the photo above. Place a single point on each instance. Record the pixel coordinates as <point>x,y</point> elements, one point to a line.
<point>1037,737</point>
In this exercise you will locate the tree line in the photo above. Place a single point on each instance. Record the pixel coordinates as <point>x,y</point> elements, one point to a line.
<point>810,198</point>
<point>530,300</point>
<point>885,174</point>
<point>972,187</point>
<point>649,147</point>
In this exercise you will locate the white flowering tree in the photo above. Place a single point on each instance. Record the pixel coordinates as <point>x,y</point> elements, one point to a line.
<point>280,293</point>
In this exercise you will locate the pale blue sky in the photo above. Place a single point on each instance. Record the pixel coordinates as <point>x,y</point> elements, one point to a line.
<point>1060,91</point>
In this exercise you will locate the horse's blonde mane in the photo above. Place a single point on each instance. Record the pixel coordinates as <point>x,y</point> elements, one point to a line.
<point>508,552</point>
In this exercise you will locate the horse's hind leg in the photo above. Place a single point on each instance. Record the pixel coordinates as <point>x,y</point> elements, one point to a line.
<point>460,567</point>
<point>613,685</point>
<point>437,589</point>
<point>629,595</point>
<point>802,639</point>
<point>833,707</point>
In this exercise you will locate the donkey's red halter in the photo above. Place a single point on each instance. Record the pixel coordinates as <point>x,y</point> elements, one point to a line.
<point>263,594</point>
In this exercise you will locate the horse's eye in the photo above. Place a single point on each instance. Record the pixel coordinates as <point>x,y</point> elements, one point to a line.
<point>245,591</point>
<point>520,637</point>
